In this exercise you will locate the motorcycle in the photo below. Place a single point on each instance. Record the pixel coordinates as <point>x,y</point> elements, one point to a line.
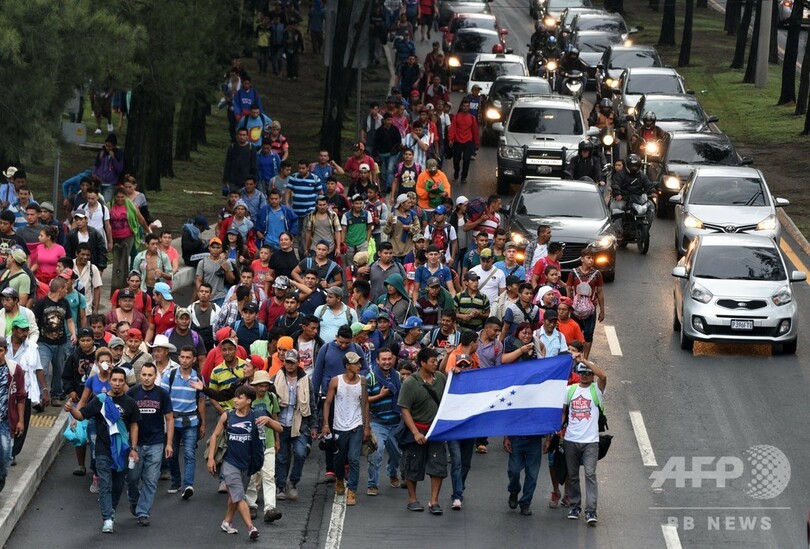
<point>573,84</point>
<point>547,68</point>
<point>609,144</point>
<point>651,153</point>
<point>635,222</point>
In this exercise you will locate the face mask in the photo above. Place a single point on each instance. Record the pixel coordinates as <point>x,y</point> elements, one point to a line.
<point>105,365</point>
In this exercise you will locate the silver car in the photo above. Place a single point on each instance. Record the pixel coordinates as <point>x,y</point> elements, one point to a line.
<point>735,288</point>
<point>725,199</point>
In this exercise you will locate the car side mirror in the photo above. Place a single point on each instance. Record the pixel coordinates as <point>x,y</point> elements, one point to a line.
<point>593,131</point>
<point>746,160</point>
<point>680,272</point>
<point>781,202</point>
<point>690,92</point>
<point>676,199</point>
<point>633,30</point>
<point>713,119</point>
<point>798,276</point>
<point>498,127</point>
<point>505,208</point>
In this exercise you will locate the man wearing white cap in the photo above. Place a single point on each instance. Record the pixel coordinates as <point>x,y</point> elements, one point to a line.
<point>457,221</point>
<point>8,194</point>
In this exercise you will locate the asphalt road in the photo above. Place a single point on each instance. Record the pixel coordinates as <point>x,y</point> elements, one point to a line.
<point>665,406</point>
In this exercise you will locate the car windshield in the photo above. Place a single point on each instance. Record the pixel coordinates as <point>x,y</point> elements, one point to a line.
<point>474,42</point>
<point>674,110</point>
<point>739,263</point>
<point>557,202</point>
<point>488,71</point>
<point>683,151</point>
<point>653,83</point>
<point>597,42</point>
<point>633,59</point>
<point>601,23</point>
<point>546,121</point>
<point>508,90</point>
<point>562,4</point>
<point>473,23</point>
<point>727,191</point>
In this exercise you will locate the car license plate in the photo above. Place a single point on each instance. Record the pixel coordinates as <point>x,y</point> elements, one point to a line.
<point>544,170</point>
<point>742,324</point>
<point>544,161</point>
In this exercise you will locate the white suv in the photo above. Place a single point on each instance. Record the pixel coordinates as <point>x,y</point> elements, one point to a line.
<point>489,66</point>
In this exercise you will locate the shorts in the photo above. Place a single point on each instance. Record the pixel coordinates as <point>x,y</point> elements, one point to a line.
<point>236,480</point>
<point>421,459</point>
<point>588,325</point>
<point>426,20</point>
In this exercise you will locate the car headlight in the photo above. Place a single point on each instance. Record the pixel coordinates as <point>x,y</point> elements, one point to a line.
<point>550,22</point>
<point>612,83</point>
<point>518,238</point>
<point>493,114</point>
<point>510,153</point>
<point>606,241</point>
<point>631,110</point>
<point>497,103</point>
<point>454,62</point>
<point>628,43</point>
<point>672,183</point>
<point>692,222</point>
<point>608,140</point>
<point>783,296</point>
<point>551,65</point>
<point>767,224</point>
<point>700,293</point>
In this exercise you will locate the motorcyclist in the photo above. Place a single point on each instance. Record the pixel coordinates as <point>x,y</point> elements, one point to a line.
<point>569,62</point>
<point>603,118</point>
<point>627,185</point>
<point>538,39</point>
<point>585,164</point>
<point>549,51</point>
<point>647,132</point>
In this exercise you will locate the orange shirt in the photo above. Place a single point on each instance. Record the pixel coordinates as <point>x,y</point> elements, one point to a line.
<point>421,191</point>
<point>451,360</point>
<point>571,330</point>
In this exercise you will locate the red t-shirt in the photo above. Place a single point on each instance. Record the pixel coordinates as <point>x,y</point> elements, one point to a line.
<point>260,272</point>
<point>163,321</point>
<point>539,268</point>
<point>270,311</point>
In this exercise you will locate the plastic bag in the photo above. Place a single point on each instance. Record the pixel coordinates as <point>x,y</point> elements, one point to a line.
<point>77,435</point>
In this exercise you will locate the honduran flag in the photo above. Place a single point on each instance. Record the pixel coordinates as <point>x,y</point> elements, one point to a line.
<point>522,398</point>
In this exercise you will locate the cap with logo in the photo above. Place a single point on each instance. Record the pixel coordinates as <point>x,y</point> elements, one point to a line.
<point>352,358</point>
<point>486,253</point>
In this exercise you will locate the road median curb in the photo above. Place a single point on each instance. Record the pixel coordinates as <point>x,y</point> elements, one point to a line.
<point>793,230</point>
<point>16,501</point>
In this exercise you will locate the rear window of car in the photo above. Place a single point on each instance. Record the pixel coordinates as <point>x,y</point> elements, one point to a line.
<point>633,59</point>
<point>508,90</point>
<point>474,42</point>
<point>739,263</point>
<point>639,84</point>
<point>473,23</point>
<point>488,71</point>
<point>601,24</point>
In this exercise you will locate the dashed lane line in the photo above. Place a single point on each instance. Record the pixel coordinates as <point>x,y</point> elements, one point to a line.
<point>335,533</point>
<point>613,340</point>
<point>671,538</point>
<point>643,440</point>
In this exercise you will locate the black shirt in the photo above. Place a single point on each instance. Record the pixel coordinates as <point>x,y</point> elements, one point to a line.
<point>51,318</point>
<point>288,326</point>
<point>129,413</point>
<point>283,262</point>
<point>152,405</point>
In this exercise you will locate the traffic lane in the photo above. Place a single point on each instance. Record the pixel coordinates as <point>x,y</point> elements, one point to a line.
<point>64,513</point>
<point>719,401</point>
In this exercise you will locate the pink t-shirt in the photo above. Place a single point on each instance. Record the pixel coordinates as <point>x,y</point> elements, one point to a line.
<point>119,223</point>
<point>47,258</point>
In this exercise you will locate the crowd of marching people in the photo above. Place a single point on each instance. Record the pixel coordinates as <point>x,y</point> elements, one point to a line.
<point>332,298</point>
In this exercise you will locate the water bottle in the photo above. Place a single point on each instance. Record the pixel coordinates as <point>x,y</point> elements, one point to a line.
<point>131,462</point>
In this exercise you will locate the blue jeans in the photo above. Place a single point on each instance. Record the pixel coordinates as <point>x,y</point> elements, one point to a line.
<point>527,453</point>
<point>349,445</point>
<point>147,470</point>
<point>110,486</point>
<point>189,437</point>
<point>388,165</point>
<point>385,441</point>
<point>5,449</point>
<point>297,446</point>
<point>461,452</point>
<point>55,356</point>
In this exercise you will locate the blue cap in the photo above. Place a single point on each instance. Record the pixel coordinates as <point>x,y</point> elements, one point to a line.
<point>163,289</point>
<point>441,210</point>
<point>368,315</point>
<point>201,221</point>
<point>411,322</point>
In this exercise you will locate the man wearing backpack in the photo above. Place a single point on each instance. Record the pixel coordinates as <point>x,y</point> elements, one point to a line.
<point>322,225</point>
<point>334,314</point>
<point>432,269</point>
<point>442,235</point>
<point>248,329</point>
<point>329,272</point>
<point>584,287</point>
<point>584,405</point>
<point>445,336</point>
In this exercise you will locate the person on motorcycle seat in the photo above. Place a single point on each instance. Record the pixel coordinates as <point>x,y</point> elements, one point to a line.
<point>602,115</point>
<point>585,164</point>
<point>647,132</point>
<point>540,35</point>
<point>628,184</point>
<point>550,50</point>
<point>570,61</point>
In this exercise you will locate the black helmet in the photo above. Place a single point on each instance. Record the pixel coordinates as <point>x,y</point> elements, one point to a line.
<point>649,117</point>
<point>634,163</point>
<point>606,103</point>
<point>585,145</point>
<point>573,52</point>
<point>551,42</point>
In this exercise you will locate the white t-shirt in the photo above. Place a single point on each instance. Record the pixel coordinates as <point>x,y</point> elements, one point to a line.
<point>97,218</point>
<point>305,358</point>
<point>583,415</point>
<point>490,283</point>
<point>540,252</point>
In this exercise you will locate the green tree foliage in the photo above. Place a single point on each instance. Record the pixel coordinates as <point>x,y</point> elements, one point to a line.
<point>48,48</point>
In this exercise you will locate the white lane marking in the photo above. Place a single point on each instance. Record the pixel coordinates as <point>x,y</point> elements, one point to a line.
<point>644,446</point>
<point>671,538</point>
<point>335,533</point>
<point>613,340</point>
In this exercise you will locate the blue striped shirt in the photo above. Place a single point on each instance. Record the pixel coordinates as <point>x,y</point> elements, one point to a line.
<point>383,410</point>
<point>183,395</point>
<point>305,191</point>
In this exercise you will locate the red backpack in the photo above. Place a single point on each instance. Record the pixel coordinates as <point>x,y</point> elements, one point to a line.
<point>440,237</point>
<point>476,208</point>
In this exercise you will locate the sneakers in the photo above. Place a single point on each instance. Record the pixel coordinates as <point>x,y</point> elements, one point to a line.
<point>143,521</point>
<point>98,132</point>
<point>573,514</point>
<point>456,505</point>
<point>228,528</point>
<point>513,500</point>
<point>173,490</point>
<point>590,518</point>
<point>340,487</point>
<point>94,485</point>
<point>271,515</point>
<point>292,493</point>
<point>394,482</point>
<point>222,488</point>
<point>351,498</point>
<point>415,506</point>
<point>565,501</point>
<point>107,527</point>
<point>525,510</point>
<point>80,472</point>
<point>188,491</point>
<point>329,477</point>
<point>372,491</point>
<point>254,512</point>
<point>109,127</point>
<point>281,495</point>
<point>554,500</point>
<point>253,534</point>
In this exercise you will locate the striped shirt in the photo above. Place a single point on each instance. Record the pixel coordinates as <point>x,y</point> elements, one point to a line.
<point>382,411</point>
<point>223,377</point>
<point>466,303</point>
<point>305,191</point>
<point>183,395</point>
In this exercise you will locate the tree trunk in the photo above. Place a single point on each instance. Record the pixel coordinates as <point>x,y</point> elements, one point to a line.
<point>654,5</point>
<point>199,119</point>
<point>751,66</point>
<point>166,117</point>
<point>804,82</point>
<point>148,152</point>
<point>773,46</point>
<point>788,93</point>
<point>742,36</point>
<point>185,130</point>
<point>703,3</point>
<point>686,39</point>
<point>732,20</point>
<point>667,37</point>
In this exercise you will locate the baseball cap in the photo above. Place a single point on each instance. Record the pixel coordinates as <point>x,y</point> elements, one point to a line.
<point>401,199</point>
<point>510,246</point>
<point>115,341</point>
<point>463,358</point>
<point>565,300</point>
<point>251,307</point>
<point>431,164</point>
<point>10,292</point>
<point>358,327</point>
<point>352,358</point>
<point>471,276</point>
<point>182,311</point>
<point>550,314</point>
<point>357,196</point>
<point>360,258</point>
<point>18,256</point>
<point>281,282</point>
<point>440,209</point>
<point>583,368</point>
<point>230,340</point>
<point>20,322</point>
<point>433,281</point>
<point>134,333</point>
<point>359,146</point>
<point>486,252</point>
<point>126,293</point>
<point>163,289</point>
<point>512,279</point>
<point>364,167</point>
<point>291,356</point>
<point>414,93</point>
<point>411,322</point>
<point>80,212</point>
<point>383,315</point>
<point>215,240</point>
<point>462,200</point>
<point>367,316</point>
<point>285,343</point>
<point>257,362</point>
<point>68,274</point>
<point>201,221</point>
<point>84,332</point>
<point>419,238</point>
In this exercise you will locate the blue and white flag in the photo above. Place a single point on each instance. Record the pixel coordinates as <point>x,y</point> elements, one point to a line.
<point>522,398</point>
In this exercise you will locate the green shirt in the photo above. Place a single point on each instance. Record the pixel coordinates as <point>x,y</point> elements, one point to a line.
<point>267,406</point>
<point>415,397</point>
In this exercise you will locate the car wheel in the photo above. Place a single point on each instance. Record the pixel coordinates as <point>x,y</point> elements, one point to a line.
<point>678,252</point>
<point>789,348</point>
<point>687,343</point>
<point>676,324</point>
<point>662,211</point>
<point>609,276</point>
